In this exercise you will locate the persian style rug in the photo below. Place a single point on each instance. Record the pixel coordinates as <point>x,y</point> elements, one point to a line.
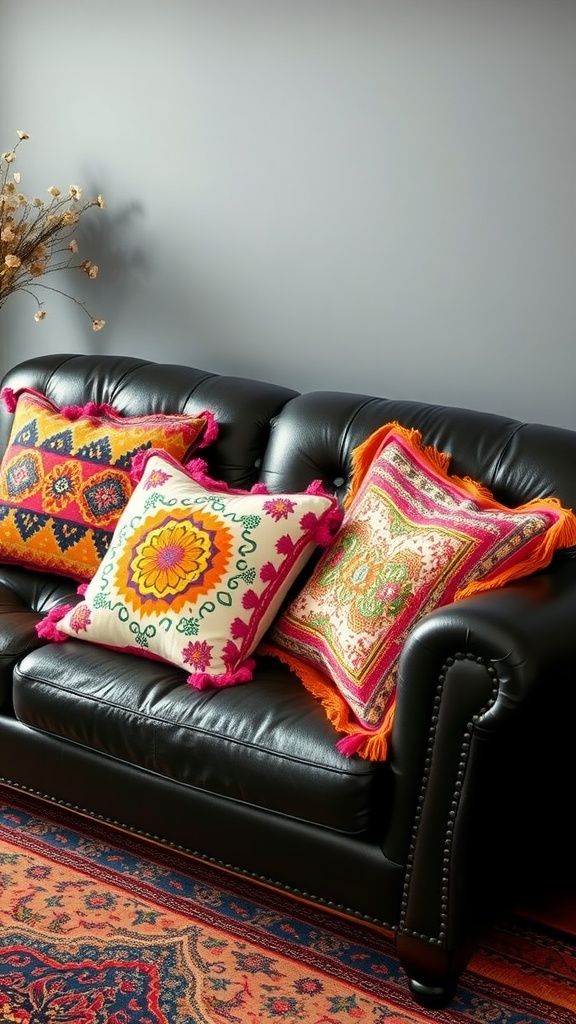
<point>101,928</point>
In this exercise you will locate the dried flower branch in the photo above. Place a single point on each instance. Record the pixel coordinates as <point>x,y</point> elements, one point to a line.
<point>36,237</point>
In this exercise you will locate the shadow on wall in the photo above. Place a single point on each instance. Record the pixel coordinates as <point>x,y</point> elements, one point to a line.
<point>112,242</point>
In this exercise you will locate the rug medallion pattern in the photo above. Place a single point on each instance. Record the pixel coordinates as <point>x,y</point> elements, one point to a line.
<point>97,928</point>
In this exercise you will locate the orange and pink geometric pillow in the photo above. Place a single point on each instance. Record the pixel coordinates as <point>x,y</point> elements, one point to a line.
<point>413,538</point>
<point>65,477</point>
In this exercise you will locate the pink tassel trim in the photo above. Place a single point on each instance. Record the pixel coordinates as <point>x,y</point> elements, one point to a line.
<point>91,410</point>
<point>350,745</point>
<point>47,628</point>
<point>329,527</point>
<point>70,412</point>
<point>137,465</point>
<point>9,397</point>
<point>211,429</point>
<point>205,681</point>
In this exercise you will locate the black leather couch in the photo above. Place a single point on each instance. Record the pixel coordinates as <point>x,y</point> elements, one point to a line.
<point>475,800</point>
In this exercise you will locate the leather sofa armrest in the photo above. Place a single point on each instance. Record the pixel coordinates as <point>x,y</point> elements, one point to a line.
<point>485,699</point>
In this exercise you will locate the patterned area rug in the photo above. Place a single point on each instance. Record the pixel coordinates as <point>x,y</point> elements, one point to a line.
<point>100,928</point>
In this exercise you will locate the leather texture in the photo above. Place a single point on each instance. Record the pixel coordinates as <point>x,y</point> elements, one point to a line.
<point>249,777</point>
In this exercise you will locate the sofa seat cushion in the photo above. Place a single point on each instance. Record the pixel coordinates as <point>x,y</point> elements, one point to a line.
<point>23,596</point>
<point>267,743</point>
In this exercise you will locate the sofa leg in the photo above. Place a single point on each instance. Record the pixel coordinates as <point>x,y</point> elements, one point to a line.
<point>432,972</point>
<point>431,997</point>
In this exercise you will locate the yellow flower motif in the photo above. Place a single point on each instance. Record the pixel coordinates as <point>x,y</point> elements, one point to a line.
<point>16,177</point>
<point>22,135</point>
<point>12,261</point>
<point>7,234</point>
<point>101,202</point>
<point>37,269</point>
<point>75,192</point>
<point>40,315</point>
<point>70,217</point>
<point>73,246</point>
<point>97,325</point>
<point>54,191</point>
<point>9,157</point>
<point>170,559</point>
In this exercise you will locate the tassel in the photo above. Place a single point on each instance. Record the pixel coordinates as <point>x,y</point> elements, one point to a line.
<point>370,744</point>
<point>47,628</point>
<point>329,527</point>
<point>211,429</point>
<point>206,681</point>
<point>9,398</point>
<point>138,465</point>
<point>91,410</point>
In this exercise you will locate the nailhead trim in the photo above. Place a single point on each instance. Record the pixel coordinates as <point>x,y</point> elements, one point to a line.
<point>290,890</point>
<point>465,750</point>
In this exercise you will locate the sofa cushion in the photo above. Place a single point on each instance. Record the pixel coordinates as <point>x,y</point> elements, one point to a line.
<point>65,477</point>
<point>413,538</point>
<point>196,570</point>
<point>267,744</point>
<point>23,596</point>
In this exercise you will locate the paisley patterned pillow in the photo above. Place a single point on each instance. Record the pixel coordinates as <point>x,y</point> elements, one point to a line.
<point>65,477</point>
<point>413,538</point>
<point>196,571</point>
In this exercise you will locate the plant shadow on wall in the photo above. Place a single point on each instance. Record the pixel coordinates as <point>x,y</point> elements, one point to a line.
<point>122,256</point>
<point>49,236</point>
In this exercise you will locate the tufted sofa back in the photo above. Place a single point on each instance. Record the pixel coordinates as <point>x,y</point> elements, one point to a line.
<point>317,432</point>
<point>244,409</point>
<point>285,439</point>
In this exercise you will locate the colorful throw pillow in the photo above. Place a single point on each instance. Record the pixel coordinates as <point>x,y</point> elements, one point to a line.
<point>196,571</point>
<point>413,538</point>
<point>65,477</point>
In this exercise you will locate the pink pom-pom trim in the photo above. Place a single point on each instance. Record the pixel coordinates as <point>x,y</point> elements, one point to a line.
<point>137,465</point>
<point>47,628</point>
<point>9,397</point>
<point>210,430</point>
<point>206,681</point>
<point>90,411</point>
<point>70,412</point>
<point>198,470</point>
<point>328,527</point>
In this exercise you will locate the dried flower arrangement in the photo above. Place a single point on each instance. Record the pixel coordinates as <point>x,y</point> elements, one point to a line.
<point>36,237</point>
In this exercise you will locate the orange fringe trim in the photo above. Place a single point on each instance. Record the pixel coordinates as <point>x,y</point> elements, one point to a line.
<point>373,744</point>
<point>562,533</point>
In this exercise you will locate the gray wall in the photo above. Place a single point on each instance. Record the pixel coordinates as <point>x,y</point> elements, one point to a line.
<point>376,196</point>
